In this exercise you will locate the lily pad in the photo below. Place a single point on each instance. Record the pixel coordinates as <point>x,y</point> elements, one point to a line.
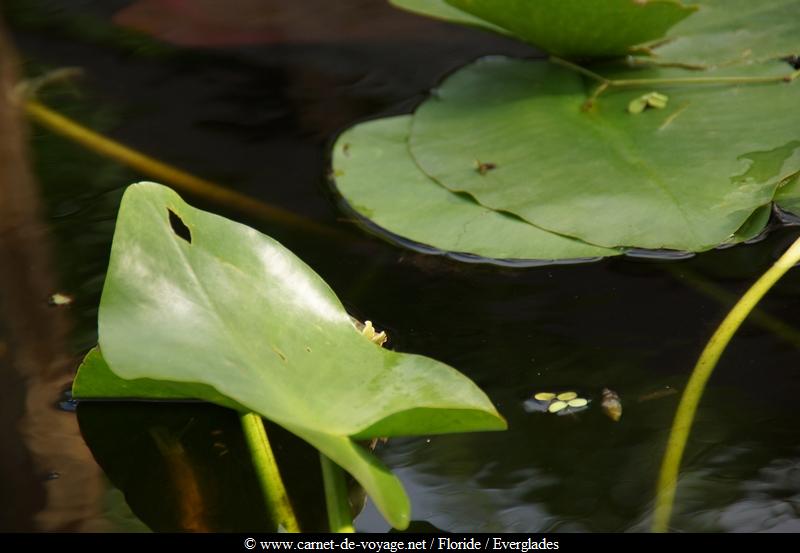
<point>685,177</point>
<point>726,32</point>
<point>580,28</point>
<point>753,226</point>
<point>214,310</point>
<point>376,175</point>
<point>788,195</point>
<point>440,9</point>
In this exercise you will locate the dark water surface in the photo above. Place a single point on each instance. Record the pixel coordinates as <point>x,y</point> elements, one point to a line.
<point>260,117</point>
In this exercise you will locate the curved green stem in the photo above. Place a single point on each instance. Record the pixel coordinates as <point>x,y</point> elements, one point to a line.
<point>164,172</point>
<point>579,69</point>
<point>606,83</point>
<point>623,83</point>
<point>340,519</point>
<point>681,426</point>
<point>266,468</point>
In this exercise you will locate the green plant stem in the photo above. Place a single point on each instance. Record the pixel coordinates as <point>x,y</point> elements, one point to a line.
<point>606,83</point>
<point>164,172</point>
<point>266,468</point>
<point>622,83</point>
<point>681,426</point>
<point>757,317</point>
<point>340,519</point>
<point>579,69</point>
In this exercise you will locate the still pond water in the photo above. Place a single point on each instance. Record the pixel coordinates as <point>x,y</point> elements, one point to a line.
<point>252,97</point>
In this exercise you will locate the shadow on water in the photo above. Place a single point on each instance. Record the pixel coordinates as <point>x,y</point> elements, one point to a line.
<point>258,116</point>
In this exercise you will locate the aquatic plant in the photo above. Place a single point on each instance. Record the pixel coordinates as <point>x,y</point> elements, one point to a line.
<point>690,399</point>
<point>569,157</point>
<point>197,306</point>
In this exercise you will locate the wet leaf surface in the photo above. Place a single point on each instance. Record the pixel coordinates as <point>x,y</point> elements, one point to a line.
<point>380,181</point>
<point>226,314</point>
<point>685,177</point>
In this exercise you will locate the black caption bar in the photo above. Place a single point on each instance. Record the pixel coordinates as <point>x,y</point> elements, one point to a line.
<point>379,543</point>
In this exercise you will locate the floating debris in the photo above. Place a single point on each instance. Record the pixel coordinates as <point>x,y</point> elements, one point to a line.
<point>649,100</point>
<point>562,403</point>
<point>372,335</point>
<point>59,300</point>
<point>611,404</point>
<point>483,168</point>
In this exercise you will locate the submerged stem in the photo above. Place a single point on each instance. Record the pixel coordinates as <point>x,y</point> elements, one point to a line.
<point>681,426</point>
<point>340,519</point>
<point>163,172</point>
<point>266,468</point>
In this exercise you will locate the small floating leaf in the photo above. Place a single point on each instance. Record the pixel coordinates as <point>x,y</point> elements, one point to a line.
<point>637,105</point>
<point>544,396</point>
<point>557,406</point>
<point>578,402</point>
<point>566,396</point>
<point>656,100</point>
<point>611,404</point>
<point>649,100</point>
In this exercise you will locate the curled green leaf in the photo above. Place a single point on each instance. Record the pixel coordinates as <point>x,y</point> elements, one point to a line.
<point>197,306</point>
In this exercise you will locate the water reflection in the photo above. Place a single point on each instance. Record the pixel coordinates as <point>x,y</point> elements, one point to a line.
<point>259,118</point>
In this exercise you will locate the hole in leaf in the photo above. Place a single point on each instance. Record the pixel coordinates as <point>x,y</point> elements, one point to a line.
<point>179,227</point>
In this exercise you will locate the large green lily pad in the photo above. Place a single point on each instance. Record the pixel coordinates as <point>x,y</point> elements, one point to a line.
<point>685,177</point>
<point>380,181</point>
<point>726,32</point>
<point>220,312</point>
<point>580,28</point>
